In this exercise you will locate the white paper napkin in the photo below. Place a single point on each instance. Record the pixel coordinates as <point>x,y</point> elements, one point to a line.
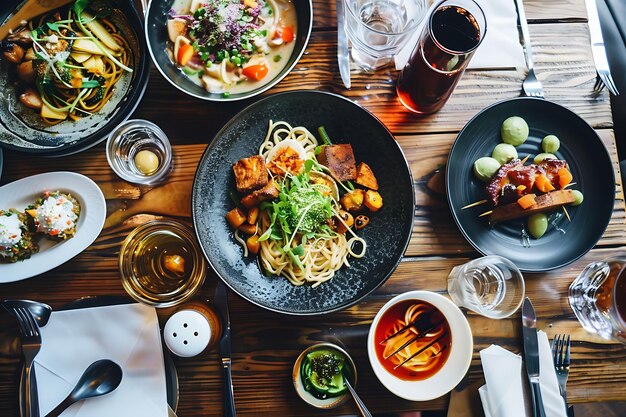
<point>126,334</point>
<point>505,393</point>
<point>500,48</point>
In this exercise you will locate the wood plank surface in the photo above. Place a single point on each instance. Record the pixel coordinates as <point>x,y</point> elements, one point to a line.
<point>537,11</point>
<point>569,84</point>
<point>265,344</point>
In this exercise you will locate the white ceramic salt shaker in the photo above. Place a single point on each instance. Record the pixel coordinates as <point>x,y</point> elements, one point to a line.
<point>187,333</point>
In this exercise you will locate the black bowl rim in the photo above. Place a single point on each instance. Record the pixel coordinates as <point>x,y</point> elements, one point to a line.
<point>408,226</point>
<point>132,102</point>
<point>217,97</point>
<point>449,190</point>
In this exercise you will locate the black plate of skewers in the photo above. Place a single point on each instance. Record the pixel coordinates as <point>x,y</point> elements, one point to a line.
<point>588,160</point>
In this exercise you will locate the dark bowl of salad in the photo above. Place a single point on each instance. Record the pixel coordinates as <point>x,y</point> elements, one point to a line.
<point>227,50</point>
<point>70,76</point>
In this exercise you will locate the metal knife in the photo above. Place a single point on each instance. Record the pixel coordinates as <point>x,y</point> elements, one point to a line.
<point>531,356</point>
<point>598,50</point>
<point>343,57</point>
<point>221,301</point>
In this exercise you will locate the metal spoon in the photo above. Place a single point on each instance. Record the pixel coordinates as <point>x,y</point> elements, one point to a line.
<point>359,403</point>
<point>101,377</point>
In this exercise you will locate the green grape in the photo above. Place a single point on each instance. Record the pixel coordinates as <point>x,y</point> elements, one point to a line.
<point>514,131</point>
<point>550,144</point>
<point>537,225</point>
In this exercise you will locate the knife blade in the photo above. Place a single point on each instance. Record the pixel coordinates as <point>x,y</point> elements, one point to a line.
<point>531,356</point>
<point>343,58</point>
<point>221,301</point>
<point>598,50</point>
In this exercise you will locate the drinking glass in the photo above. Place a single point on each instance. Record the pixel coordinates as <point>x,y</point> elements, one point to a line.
<point>598,298</point>
<point>161,264</point>
<point>491,286</point>
<point>448,41</point>
<point>378,29</point>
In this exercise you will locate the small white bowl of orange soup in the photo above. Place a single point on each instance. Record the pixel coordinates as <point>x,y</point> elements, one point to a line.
<point>420,345</point>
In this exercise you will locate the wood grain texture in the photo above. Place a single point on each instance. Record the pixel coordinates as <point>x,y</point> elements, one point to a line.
<point>325,13</point>
<point>570,83</point>
<point>265,344</point>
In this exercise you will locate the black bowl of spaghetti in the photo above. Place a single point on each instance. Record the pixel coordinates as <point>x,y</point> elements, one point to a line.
<point>386,236</point>
<point>68,77</point>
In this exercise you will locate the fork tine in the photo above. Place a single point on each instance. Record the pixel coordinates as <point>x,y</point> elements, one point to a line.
<point>567,351</point>
<point>24,325</point>
<point>29,322</point>
<point>598,85</point>
<point>612,86</point>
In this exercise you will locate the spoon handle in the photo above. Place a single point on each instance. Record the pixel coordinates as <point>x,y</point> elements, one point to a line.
<point>359,403</point>
<point>61,407</point>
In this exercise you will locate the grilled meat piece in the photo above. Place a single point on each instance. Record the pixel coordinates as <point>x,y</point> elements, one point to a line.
<point>340,161</point>
<point>515,177</point>
<point>550,167</point>
<point>250,174</point>
<point>269,192</point>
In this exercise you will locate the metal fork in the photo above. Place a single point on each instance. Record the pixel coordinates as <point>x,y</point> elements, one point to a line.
<point>31,344</point>
<point>531,85</point>
<point>598,51</point>
<point>561,358</point>
<point>604,79</point>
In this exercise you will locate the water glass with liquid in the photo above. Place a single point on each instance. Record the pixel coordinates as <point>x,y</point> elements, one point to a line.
<point>378,29</point>
<point>598,298</point>
<point>491,286</point>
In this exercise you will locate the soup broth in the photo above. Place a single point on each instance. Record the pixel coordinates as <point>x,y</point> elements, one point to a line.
<point>231,46</point>
<point>424,346</point>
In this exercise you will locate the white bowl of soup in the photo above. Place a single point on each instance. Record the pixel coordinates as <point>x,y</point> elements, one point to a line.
<point>420,345</point>
<point>227,50</point>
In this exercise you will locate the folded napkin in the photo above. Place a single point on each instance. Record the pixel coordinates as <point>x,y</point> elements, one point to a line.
<point>500,48</point>
<point>128,335</point>
<point>505,393</point>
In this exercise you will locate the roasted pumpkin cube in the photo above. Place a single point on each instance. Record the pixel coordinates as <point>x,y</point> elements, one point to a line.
<point>250,174</point>
<point>353,201</point>
<point>365,177</point>
<point>270,191</point>
<point>235,218</point>
<point>373,200</point>
<point>340,161</point>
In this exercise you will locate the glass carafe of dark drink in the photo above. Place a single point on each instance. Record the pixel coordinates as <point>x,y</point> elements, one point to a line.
<point>452,33</point>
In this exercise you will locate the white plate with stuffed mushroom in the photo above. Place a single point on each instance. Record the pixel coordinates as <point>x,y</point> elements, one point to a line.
<point>46,220</point>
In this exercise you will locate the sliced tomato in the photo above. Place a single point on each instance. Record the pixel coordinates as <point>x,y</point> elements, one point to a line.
<point>256,72</point>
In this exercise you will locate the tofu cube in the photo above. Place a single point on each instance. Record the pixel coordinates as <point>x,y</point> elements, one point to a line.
<point>250,174</point>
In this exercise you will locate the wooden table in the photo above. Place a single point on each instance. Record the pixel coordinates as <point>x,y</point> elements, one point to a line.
<point>266,344</point>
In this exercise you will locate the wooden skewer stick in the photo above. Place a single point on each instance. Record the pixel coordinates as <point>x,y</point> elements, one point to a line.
<point>566,214</point>
<point>477,203</point>
<point>525,159</point>
<point>487,213</point>
<point>569,185</point>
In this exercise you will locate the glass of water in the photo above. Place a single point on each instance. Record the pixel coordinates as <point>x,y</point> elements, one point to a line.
<point>598,298</point>
<point>378,29</point>
<point>491,286</point>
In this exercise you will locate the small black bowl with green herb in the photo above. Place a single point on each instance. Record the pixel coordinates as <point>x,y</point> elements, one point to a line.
<point>319,375</point>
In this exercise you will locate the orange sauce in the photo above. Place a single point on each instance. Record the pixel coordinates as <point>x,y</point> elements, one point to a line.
<point>425,364</point>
